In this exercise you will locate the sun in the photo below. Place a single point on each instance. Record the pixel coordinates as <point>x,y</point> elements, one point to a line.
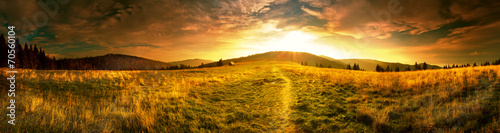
<point>298,41</point>
<point>293,41</point>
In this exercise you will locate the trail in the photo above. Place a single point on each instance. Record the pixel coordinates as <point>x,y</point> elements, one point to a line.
<point>286,99</point>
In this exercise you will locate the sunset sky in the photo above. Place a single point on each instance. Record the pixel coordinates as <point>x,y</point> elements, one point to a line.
<point>435,31</point>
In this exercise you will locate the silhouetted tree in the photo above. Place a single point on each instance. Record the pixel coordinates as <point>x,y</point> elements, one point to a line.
<point>25,56</point>
<point>388,69</point>
<point>3,52</point>
<point>424,66</point>
<point>408,69</point>
<point>379,69</point>
<point>220,63</point>
<point>417,67</point>
<point>497,62</point>
<point>474,64</point>
<point>355,67</point>
<point>349,67</point>
<point>397,69</point>
<point>20,55</point>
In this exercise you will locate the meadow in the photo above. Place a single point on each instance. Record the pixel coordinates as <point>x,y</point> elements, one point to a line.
<point>255,97</point>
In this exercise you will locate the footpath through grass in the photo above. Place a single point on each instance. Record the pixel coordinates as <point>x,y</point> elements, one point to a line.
<point>256,97</point>
<point>246,98</point>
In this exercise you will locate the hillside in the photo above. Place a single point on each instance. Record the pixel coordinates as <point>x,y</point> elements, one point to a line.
<point>297,57</point>
<point>111,62</point>
<point>191,62</point>
<point>370,64</point>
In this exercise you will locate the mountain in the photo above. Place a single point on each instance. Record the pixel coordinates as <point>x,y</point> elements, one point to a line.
<point>191,62</point>
<point>111,62</point>
<point>299,57</point>
<point>370,64</point>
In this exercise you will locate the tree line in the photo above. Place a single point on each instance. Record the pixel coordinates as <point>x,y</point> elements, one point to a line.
<point>29,56</point>
<point>487,63</point>
<point>416,67</point>
<point>304,63</point>
<point>354,67</point>
<point>34,57</point>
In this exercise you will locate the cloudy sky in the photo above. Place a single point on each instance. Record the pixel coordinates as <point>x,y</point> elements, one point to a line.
<point>435,31</point>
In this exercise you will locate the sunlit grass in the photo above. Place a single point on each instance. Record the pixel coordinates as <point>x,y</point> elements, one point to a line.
<point>256,97</point>
<point>464,99</point>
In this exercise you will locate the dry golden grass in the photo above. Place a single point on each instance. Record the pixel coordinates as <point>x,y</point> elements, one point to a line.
<point>464,99</point>
<point>256,97</point>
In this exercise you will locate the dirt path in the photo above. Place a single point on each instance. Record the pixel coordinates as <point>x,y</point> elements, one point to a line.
<point>286,99</point>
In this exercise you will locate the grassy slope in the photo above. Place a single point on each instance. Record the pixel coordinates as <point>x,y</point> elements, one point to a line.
<point>256,97</point>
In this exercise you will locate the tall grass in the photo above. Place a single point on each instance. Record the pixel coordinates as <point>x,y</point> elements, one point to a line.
<point>463,99</point>
<point>108,101</point>
<point>250,98</point>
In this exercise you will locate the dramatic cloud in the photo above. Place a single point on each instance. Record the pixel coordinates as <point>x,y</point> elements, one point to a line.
<point>169,30</point>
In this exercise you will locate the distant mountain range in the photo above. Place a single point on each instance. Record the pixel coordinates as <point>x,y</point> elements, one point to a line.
<point>128,62</point>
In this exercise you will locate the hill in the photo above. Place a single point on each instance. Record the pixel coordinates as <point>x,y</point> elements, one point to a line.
<point>191,62</point>
<point>111,62</point>
<point>370,64</point>
<point>298,57</point>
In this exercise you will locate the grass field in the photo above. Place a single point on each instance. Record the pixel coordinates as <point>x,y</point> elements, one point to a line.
<point>255,97</point>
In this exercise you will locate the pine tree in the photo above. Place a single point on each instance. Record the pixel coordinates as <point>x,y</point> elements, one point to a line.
<point>19,55</point>
<point>220,63</point>
<point>424,66</point>
<point>349,67</point>
<point>397,69</point>
<point>34,57</point>
<point>417,67</point>
<point>3,52</point>
<point>379,68</point>
<point>26,57</point>
<point>356,67</point>
<point>387,69</point>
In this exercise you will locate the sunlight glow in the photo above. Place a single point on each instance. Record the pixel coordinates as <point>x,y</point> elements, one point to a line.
<point>299,41</point>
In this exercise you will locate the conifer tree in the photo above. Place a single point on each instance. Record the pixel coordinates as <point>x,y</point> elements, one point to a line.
<point>3,52</point>
<point>220,63</point>
<point>417,67</point>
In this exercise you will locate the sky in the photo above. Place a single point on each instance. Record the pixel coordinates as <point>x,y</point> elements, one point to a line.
<point>434,31</point>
